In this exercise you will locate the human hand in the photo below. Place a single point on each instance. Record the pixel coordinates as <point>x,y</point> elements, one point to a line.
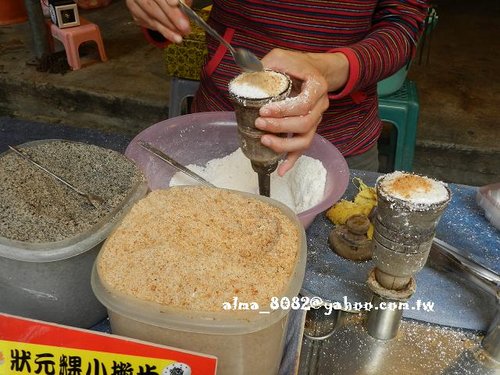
<point>314,75</point>
<point>164,16</point>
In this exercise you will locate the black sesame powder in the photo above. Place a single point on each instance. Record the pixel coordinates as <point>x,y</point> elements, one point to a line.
<point>36,208</point>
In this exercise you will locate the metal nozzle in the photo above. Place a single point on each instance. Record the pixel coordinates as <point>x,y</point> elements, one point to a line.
<point>264,174</point>
<point>264,184</point>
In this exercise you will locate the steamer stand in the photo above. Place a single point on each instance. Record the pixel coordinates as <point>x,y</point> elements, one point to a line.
<point>401,244</point>
<point>379,341</point>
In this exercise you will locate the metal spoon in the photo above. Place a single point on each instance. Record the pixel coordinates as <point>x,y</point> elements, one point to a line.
<point>167,159</point>
<point>245,59</point>
<point>93,199</point>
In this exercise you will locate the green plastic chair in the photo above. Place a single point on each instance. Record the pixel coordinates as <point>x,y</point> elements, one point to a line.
<point>394,82</point>
<point>401,109</point>
<point>399,105</point>
<point>181,90</point>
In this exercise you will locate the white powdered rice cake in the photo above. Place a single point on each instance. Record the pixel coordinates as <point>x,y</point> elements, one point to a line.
<point>414,189</point>
<point>259,85</point>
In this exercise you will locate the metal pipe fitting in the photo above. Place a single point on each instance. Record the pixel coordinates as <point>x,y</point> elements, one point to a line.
<point>384,318</point>
<point>386,312</point>
<point>398,255</point>
<point>406,218</point>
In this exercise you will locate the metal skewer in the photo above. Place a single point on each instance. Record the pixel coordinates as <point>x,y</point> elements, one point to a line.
<point>93,199</point>
<point>167,159</point>
<point>478,274</point>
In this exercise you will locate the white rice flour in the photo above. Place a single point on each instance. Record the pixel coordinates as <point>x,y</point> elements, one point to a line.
<point>300,189</point>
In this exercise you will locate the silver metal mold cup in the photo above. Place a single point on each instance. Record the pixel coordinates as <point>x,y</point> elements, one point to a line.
<point>402,240</point>
<point>264,160</point>
<point>403,233</point>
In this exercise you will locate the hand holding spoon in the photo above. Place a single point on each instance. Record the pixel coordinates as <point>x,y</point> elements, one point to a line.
<point>245,59</point>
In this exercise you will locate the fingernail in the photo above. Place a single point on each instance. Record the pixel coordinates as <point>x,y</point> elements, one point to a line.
<point>177,38</point>
<point>183,24</point>
<point>260,123</point>
<point>266,141</point>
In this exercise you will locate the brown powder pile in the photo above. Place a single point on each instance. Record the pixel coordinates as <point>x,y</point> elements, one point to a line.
<point>258,85</point>
<point>407,184</point>
<point>415,189</point>
<point>195,248</point>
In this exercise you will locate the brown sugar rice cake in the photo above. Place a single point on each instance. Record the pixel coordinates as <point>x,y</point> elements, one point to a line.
<point>414,189</point>
<point>259,85</point>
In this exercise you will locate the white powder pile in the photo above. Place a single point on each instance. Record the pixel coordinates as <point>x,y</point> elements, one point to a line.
<point>258,85</point>
<point>300,189</point>
<point>414,189</point>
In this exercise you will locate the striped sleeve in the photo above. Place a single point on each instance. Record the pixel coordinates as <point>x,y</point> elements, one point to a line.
<point>391,42</point>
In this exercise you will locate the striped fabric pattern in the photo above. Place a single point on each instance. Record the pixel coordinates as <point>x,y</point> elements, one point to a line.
<point>378,38</point>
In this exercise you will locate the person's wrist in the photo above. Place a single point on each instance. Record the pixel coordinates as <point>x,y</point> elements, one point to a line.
<point>337,71</point>
<point>343,69</point>
<point>334,67</point>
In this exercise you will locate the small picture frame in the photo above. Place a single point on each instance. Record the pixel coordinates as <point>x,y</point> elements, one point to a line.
<point>65,15</point>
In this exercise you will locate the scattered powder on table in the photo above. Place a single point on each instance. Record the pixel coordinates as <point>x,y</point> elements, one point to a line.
<point>258,85</point>
<point>414,189</point>
<point>36,208</point>
<point>300,189</point>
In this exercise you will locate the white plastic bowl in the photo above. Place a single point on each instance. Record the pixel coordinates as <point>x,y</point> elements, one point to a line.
<point>200,137</point>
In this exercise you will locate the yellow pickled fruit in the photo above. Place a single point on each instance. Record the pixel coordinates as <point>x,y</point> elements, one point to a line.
<point>363,204</point>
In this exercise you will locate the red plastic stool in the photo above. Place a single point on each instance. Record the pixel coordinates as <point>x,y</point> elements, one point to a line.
<point>73,37</point>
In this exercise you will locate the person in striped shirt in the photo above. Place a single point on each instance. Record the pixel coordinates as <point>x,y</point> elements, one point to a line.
<point>335,51</point>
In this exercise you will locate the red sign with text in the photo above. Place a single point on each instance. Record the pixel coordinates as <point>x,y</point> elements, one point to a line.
<point>41,348</point>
